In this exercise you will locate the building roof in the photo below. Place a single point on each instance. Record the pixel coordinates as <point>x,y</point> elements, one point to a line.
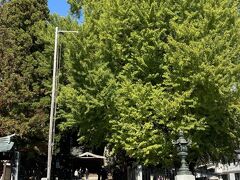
<point>5,143</point>
<point>88,155</point>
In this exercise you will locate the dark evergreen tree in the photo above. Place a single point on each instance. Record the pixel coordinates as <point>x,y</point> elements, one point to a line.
<point>25,69</point>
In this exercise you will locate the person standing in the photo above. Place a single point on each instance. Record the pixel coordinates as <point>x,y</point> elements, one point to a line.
<point>87,173</point>
<point>80,173</point>
<point>76,174</point>
<point>104,173</point>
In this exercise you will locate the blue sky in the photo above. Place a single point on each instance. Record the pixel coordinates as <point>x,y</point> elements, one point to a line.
<point>60,7</point>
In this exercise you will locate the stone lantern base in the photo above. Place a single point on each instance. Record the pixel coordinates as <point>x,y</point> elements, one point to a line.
<point>184,177</point>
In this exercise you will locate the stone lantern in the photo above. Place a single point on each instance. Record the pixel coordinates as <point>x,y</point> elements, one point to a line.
<point>183,173</point>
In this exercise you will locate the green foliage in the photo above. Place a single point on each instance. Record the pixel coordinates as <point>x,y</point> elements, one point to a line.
<point>24,70</point>
<point>143,70</point>
<point>65,42</point>
<point>75,6</point>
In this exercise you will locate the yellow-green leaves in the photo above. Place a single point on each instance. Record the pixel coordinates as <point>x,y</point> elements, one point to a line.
<point>147,69</point>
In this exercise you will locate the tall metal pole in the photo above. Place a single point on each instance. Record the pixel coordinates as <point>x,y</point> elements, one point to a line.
<point>17,165</point>
<point>52,112</point>
<point>53,102</point>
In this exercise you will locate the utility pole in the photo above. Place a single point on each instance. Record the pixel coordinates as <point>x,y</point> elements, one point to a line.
<point>52,112</point>
<point>17,160</point>
<point>53,102</point>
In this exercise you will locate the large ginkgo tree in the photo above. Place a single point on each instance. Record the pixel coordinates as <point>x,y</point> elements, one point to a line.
<point>144,70</point>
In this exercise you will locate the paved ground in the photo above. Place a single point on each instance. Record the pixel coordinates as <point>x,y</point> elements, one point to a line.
<point>93,177</point>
